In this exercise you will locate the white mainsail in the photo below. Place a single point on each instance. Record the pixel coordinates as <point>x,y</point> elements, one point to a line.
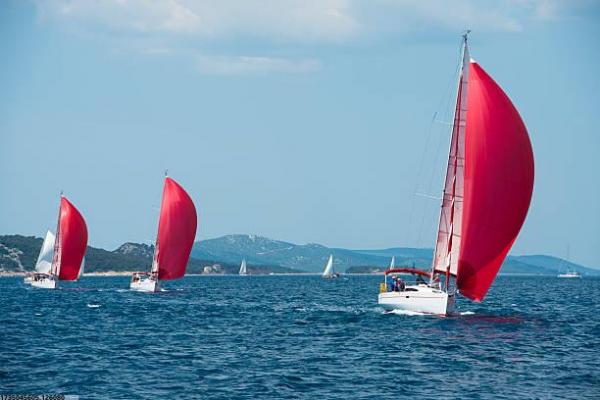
<point>243,268</point>
<point>447,248</point>
<point>44,261</point>
<point>393,262</point>
<point>329,267</point>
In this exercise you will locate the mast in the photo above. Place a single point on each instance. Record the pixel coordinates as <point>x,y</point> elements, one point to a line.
<point>55,268</point>
<point>449,227</point>
<point>155,265</point>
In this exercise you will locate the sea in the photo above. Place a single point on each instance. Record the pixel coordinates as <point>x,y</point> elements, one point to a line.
<point>297,337</point>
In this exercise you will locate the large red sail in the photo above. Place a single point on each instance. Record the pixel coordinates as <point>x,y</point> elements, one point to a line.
<point>176,231</point>
<point>71,241</point>
<point>498,183</point>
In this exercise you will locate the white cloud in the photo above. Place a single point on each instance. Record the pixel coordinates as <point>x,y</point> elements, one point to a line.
<point>220,65</point>
<point>161,27</point>
<point>296,20</point>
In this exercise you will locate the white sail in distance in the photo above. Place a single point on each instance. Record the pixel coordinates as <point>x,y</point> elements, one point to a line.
<point>329,267</point>
<point>44,261</point>
<point>243,268</point>
<point>393,262</point>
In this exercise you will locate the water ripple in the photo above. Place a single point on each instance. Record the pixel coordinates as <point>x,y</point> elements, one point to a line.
<point>278,337</point>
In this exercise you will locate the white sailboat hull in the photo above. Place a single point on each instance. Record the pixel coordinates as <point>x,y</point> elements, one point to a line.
<point>570,275</point>
<point>42,282</point>
<point>419,299</point>
<point>145,285</point>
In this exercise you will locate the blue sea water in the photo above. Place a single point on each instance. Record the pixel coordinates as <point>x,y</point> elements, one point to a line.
<point>297,337</point>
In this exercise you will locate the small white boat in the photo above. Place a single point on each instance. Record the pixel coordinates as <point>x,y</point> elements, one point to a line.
<point>243,268</point>
<point>144,282</point>
<point>487,192</point>
<point>329,272</point>
<point>176,233</point>
<point>570,274</point>
<point>62,256</point>
<point>42,281</point>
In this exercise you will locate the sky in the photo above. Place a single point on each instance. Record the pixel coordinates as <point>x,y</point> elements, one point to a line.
<point>308,121</point>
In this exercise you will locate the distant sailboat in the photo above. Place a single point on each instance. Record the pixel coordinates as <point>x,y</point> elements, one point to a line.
<point>61,256</point>
<point>243,268</point>
<point>569,273</point>
<point>487,192</point>
<point>393,262</point>
<point>329,272</point>
<point>176,233</point>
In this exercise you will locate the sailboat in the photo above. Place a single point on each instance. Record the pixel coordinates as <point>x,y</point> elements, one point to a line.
<point>243,268</point>
<point>393,262</point>
<point>487,192</point>
<point>176,233</point>
<point>329,272</point>
<point>62,256</point>
<point>569,273</point>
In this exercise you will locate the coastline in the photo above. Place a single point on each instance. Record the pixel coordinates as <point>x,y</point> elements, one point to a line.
<point>8,274</point>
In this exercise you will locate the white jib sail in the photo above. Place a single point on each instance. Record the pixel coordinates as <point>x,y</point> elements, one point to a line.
<point>329,267</point>
<point>393,262</point>
<point>243,268</point>
<point>81,268</point>
<point>44,261</point>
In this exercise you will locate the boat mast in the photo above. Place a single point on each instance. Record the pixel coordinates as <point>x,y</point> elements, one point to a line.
<point>458,128</point>
<point>155,265</point>
<point>55,267</point>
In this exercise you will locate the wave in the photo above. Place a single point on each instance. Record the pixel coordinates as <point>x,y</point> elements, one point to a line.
<point>405,312</point>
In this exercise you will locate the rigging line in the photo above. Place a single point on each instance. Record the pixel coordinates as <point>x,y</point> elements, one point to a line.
<point>447,99</point>
<point>418,178</point>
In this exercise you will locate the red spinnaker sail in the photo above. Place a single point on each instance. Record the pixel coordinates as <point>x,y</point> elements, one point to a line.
<point>176,231</point>
<point>72,241</point>
<point>498,183</point>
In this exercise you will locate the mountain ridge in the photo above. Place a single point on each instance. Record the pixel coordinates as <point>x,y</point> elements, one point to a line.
<point>264,255</point>
<point>19,254</point>
<point>312,256</point>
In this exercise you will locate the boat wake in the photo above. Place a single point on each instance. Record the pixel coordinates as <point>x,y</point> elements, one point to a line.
<point>405,312</point>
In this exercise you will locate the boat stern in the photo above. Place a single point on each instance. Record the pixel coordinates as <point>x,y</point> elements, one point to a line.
<point>419,299</point>
<point>42,281</point>
<point>143,282</point>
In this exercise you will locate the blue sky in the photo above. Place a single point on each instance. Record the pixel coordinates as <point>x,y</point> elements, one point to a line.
<point>308,121</point>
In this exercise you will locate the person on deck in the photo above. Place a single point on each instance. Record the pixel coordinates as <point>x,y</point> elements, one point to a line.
<point>401,285</point>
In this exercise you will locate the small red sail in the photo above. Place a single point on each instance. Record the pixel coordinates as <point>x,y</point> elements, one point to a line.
<point>71,241</point>
<point>498,183</point>
<point>176,231</point>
